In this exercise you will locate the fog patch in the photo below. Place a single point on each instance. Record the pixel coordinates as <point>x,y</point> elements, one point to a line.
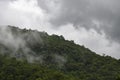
<point>16,43</point>
<point>61,60</point>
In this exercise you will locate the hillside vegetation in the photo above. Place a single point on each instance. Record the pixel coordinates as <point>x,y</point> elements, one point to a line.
<point>32,55</point>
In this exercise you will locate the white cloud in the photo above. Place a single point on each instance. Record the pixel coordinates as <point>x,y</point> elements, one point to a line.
<point>24,13</point>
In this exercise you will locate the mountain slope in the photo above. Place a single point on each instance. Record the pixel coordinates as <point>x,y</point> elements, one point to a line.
<point>66,59</point>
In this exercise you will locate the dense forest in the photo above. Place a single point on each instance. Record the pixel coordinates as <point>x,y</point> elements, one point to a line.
<point>33,55</point>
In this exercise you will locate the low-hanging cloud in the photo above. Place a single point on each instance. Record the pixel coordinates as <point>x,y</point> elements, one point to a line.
<point>14,43</point>
<point>75,19</point>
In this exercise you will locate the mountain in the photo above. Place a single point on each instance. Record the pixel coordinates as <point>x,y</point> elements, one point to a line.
<point>33,55</point>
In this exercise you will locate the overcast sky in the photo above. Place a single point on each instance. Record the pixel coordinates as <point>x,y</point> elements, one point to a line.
<point>92,23</point>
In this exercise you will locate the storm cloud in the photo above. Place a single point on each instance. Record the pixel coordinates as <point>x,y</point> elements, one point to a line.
<point>93,23</point>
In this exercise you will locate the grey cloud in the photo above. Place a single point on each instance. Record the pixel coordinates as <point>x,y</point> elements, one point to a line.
<point>83,12</point>
<point>72,12</point>
<point>42,4</point>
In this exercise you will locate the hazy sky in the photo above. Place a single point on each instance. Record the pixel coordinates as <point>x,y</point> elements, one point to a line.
<point>92,23</point>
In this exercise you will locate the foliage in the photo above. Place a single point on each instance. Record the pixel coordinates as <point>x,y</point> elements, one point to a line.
<point>60,60</point>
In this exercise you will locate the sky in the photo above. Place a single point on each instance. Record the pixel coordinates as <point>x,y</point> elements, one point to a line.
<point>92,23</point>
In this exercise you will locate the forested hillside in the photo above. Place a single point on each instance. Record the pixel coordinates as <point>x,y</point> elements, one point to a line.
<point>33,55</point>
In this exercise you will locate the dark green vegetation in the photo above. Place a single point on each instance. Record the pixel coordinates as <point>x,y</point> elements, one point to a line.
<point>51,57</point>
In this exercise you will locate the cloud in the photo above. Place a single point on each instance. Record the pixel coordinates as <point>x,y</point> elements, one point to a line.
<point>15,45</point>
<point>93,23</point>
<point>83,12</point>
<point>24,13</point>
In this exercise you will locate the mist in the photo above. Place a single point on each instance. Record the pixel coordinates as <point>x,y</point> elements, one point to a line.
<point>16,43</point>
